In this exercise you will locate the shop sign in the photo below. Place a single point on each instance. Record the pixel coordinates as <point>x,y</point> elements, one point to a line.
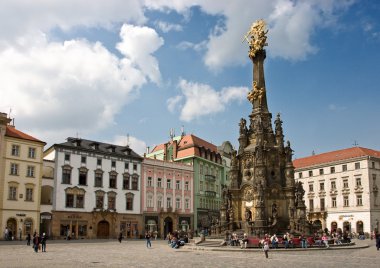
<point>21,214</point>
<point>74,217</point>
<point>45,217</point>
<point>346,217</point>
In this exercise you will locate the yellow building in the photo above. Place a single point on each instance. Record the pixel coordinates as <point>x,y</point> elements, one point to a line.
<point>20,181</point>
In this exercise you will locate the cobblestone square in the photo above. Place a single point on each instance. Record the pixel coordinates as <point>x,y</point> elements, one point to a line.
<point>110,253</point>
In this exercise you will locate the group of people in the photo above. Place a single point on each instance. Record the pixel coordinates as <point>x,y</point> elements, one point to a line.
<point>175,241</point>
<point>39,241</point>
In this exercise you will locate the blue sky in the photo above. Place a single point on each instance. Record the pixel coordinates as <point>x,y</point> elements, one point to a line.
<point>113,68</point>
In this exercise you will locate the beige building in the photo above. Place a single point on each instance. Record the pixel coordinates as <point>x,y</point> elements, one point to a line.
<point>341,189</point>
<point>20,180</point>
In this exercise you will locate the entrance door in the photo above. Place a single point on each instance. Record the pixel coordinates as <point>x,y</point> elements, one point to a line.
<point>168,226</point>
<point>12,228</point>
<point>103,229</point>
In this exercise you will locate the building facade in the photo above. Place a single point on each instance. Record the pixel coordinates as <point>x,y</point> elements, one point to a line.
<point>97,190</point>
<point>209,174</point>
<point>341,189</point>
<point>167,196</point>
<point>20,180</point>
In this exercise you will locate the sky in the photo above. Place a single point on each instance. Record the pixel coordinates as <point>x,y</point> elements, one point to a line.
<point>129,71</point>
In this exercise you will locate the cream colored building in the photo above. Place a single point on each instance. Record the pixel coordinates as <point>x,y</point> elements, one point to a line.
<point>20,180</point>
<point>341,189</point>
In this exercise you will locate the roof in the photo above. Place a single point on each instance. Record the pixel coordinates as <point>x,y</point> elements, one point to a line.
<point>334,156</point>
<point>15,133</point>
<point>99,147</point>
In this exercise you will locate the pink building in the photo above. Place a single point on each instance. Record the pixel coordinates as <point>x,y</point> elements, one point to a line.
<point>167,196</point>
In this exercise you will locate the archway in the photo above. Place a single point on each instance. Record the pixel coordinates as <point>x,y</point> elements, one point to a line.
<point>359,227</point>
<point>334,226</point>
<point>12,228</point>
<point>103,229</point>
<point>45,223</point>
<point>347,226</point>
<point>168,226</point>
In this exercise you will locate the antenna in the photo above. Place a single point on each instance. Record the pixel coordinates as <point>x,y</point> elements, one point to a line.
<point>356,144</point>
<point>128,139</point>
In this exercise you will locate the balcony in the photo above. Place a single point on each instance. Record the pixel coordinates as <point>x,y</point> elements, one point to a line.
<point>210,194</point>
<point>210,178</point>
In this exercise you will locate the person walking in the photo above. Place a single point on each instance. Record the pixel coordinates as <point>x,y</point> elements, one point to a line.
<point>377,236</point>
<point>43,242</point>
<point>28,238</point>
<point>266,249</point>
<point>36,242</point>
<point>147,237</point>
<point>6,233</point>
<point>120,236</point>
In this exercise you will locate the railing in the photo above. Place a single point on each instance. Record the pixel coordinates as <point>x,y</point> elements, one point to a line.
<point>210,177</point>
<point>210,193</point>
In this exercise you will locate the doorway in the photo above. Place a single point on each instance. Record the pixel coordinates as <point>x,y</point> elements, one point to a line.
<point>103,229</point>
<point>168,226</point>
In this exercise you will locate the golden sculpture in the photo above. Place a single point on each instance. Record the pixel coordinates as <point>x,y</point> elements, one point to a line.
<point>256,37</point>
<point>256,93</point>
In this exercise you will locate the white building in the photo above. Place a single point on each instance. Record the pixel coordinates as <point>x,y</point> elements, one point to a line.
<point>341,189</point>
<point>96,189</point>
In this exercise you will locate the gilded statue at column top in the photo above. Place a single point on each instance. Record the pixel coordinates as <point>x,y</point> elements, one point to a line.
<point>256,37</point>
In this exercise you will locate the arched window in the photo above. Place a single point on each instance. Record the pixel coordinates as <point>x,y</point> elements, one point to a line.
<point>28,226</point>
<point>334,226</point>
<point>359,227</point>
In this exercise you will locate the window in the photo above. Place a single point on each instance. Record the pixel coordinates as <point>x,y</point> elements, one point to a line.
<point>333,202</point>
<point>32,152</point>
<point>82,176</point>
<point>357,165</point>
<point>126,166</point>
<point>299,175</point>
<point>344,167</point>
<point>359,200</point>
<point>15,150</point>
<point>178,185</point>
<point>373,165</point>
<point>134,167</point>
<point>311,187</point>
<point>69,200</point>
<point>29,194</point>
<point>67,157</point>
<point>177,203</point>
<point>98,178</point>
<point>83,160</point>
<point>159,183</point>
<point>149,201</point>
<point>187,204</point>
<point>126,179</point>
<point>149,182</point>
<point>113,177</point>
<point>310,173</point>
<point>201,185</point>
<point>332,170</point>
<point>99,199</point>
<point>66,175</point>
<point>168,184</point>
<point>112,201</point>
<point>30,171</point>
<point>12,193</point>
<point>321,171</point>
<point>333,185</point>
<point>113,164</point>
<point>346,202</point>
<point>201,169</point>
<point>14,169</point>
<point>311,204</point>
<point>321,186</point>
<point>358,182</point>
<point>159,202</point>
<point>135,182</point>
<point>79,201</point>
<point>345,183</point>
<point>129,205</point>
<point>186,186</point>
<point>322,204</point>
<point>169,202</point>
<point>99,161</point>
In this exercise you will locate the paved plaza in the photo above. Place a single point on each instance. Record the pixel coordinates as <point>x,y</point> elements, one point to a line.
<point>133,253</point>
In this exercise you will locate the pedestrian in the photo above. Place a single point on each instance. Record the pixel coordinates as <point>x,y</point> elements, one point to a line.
<point>120,236</point>
<point>266,249</point>
<point>36,242</point>
<point>244,241</point>
<point>325,240</point>
<point>28,238</point>
<point>6,233</point>
<point>43,242</point>
<point>377,236</point>
<point>147,237</point>
<point>20,233</point>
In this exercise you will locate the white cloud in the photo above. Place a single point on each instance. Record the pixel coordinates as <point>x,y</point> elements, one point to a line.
<point>184,45</point>
<point>60,88</point>
<point>167,27</point>
<point>201,99</point>
<point>134,143</point>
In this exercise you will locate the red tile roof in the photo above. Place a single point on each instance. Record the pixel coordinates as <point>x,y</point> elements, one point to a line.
<point>13,132</point>
<point>158,148</point>
<point>334,156</point>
